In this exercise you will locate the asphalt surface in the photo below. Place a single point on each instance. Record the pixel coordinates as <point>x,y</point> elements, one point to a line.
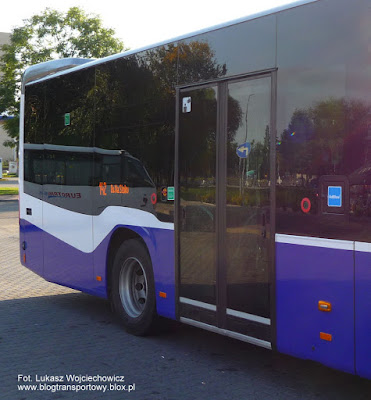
<point>51,331</point>
<point>9,182</point>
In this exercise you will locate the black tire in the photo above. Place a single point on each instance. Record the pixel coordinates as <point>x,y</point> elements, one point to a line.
<point>133,288</point>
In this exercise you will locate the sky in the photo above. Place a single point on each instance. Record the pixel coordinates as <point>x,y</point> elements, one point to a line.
<point>140,23</point>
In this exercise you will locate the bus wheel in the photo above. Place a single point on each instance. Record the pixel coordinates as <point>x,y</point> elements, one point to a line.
<point>133,288</point>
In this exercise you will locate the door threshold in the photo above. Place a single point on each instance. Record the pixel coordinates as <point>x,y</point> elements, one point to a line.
<point>225,332</point>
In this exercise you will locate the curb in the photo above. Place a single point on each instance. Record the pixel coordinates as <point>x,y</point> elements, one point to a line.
<point>9,197</point>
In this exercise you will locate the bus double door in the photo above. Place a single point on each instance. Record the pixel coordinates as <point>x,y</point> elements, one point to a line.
<point>223,208</point>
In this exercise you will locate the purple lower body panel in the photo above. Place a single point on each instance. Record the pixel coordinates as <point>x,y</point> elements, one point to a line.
<point>32,238</point>
<point>65,265</point>
<point>306,275</point>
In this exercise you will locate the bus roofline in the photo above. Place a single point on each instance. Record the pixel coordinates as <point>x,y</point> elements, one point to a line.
<point>41,70</point>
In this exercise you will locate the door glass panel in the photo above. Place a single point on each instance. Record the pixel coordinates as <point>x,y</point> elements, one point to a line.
<point>197,174</point>
<point>247,196</point>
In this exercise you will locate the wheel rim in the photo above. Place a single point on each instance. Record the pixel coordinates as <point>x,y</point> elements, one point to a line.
<point>133,287</point>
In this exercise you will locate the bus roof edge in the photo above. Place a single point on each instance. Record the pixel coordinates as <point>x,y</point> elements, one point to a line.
<point>41,70</point>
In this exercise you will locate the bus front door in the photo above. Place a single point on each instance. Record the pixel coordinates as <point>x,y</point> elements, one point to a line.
<point>224,200</point>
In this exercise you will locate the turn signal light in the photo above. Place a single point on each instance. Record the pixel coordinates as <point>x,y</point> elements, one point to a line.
<point>99,278</point>
<point>163,295</point>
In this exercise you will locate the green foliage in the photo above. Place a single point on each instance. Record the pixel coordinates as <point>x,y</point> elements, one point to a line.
<point>8,191</point>
<point>12,128</point>
<point>50,35</point>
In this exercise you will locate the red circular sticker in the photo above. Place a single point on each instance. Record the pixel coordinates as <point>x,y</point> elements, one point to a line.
<point>154,198</point>
<point>305,205</point>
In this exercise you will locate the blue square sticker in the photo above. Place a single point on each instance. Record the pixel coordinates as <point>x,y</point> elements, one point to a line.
<point>334,196</point>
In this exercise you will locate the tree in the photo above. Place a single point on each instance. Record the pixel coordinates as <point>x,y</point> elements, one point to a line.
<point>50,35</point>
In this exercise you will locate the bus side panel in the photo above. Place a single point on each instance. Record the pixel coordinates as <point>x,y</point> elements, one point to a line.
<point>163,261</point>
<point>22,239</point>
<point>305,276</point>
<point>68,266</point>
<point>363,310</point>
<point>33,237</point>
<point>31,233</point>
<point>68,246</point>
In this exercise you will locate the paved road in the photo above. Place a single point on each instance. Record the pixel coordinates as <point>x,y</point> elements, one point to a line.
<point>50,330</point>
<point>9,182</point>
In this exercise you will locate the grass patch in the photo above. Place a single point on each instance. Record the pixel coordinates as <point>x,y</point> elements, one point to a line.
<point>8,190</point>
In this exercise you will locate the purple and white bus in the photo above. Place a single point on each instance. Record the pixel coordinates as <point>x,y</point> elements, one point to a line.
<point>221,179</point>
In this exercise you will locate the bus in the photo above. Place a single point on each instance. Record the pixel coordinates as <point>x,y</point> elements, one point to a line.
<point>221,179</point>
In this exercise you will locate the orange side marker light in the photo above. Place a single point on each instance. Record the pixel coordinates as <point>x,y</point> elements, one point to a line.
<point>99,278</point>
<point>325,336</point>
<point>324,306</point>
<point>163,295</point>
<point>24,258</point>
